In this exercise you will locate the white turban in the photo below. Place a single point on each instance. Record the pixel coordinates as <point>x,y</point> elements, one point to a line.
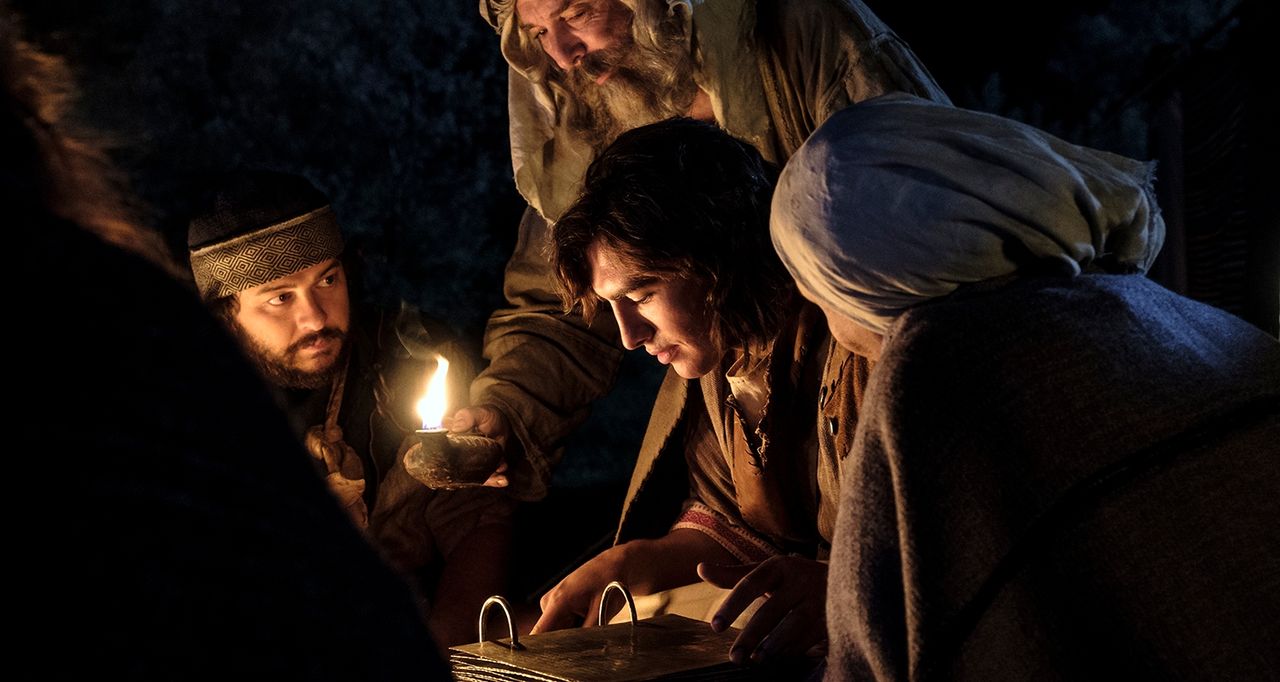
<point>899,200</point>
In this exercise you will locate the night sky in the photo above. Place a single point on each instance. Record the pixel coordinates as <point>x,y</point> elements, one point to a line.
<point>396,109</point>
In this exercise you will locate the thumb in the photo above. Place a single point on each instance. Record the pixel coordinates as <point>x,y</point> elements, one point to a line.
<point>463,420</point>
<point>723,575</point>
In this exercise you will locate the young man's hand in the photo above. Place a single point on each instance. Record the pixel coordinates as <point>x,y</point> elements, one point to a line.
<point>576,599</point>
<point>644,566</point>
<point>790,622</point>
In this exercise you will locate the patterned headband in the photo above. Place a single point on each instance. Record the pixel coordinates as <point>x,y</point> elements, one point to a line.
<point>253,259</point>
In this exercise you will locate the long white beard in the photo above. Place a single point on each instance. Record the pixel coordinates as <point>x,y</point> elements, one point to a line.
<point>646,86</point>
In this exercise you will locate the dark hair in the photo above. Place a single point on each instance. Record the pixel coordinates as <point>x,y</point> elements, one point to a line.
<point>53,169</point>
<point>224,308</point>
<point>681,198</point>
<point>247,200</point>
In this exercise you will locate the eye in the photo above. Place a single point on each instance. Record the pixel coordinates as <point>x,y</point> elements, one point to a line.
<point>642,299</point>
<point>577,14</point>
<point>281,299</point>
<point>328,281</point>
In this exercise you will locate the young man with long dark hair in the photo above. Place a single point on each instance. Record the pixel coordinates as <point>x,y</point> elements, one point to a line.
<point>672,234</point>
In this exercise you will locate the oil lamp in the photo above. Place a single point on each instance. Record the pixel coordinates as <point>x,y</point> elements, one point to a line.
<point>445,460</point>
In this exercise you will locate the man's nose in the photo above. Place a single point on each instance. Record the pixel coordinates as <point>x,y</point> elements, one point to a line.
<point>310,312</point>
<point>633,328</point>
<point>563,46</point>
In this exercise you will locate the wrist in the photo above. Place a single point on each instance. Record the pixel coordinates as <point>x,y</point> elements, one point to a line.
<point>622,557</point>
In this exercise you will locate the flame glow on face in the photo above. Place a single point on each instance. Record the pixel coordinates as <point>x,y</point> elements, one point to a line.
<point>432,406</point>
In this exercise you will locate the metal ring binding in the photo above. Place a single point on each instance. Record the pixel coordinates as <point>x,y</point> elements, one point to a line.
<point>626,594</point>
<point>506,610</point>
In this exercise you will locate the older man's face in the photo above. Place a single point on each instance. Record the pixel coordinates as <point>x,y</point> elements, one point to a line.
<point>295,327</point>
<point>579,34</point>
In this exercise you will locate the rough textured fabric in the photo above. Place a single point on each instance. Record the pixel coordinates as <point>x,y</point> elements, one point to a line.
<point>545,367</point>
<point>254,258</point>
<point>1063,478</point>
<point>774,71</point>
<point>899,200</point>
<point>698,459</point>
<point>180,531</point>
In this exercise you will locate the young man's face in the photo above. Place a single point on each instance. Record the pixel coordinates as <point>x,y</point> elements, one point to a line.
<point>296,326</point>
<point>668,317</point>
<point>572,31</point>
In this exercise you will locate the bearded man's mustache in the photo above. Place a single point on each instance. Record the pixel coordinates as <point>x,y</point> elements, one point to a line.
<point>599,63</point>
<point>325,333</point>
<point>645,84</point>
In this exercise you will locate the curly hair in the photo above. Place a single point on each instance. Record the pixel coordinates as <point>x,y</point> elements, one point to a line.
<point>681,198</point>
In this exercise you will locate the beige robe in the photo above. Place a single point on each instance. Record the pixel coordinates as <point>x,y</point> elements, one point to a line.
<point>772,81</point>
<point>697,470</point>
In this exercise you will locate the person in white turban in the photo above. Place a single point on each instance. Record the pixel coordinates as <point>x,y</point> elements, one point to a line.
<point>1061,469</point>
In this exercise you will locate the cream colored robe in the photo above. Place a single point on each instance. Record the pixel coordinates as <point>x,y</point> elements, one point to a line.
<point>774,71</point>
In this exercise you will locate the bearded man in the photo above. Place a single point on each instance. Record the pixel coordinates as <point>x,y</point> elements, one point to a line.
<point>268,260</point>
<point>768,72</point>
<point>184,531</point>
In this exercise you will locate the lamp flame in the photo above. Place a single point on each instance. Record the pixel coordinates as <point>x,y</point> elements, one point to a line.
<point>432,406</point>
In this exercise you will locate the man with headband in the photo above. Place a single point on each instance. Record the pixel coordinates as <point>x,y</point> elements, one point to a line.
<point>584,71</point>
<point>183,538</point>
<point>268,261</point>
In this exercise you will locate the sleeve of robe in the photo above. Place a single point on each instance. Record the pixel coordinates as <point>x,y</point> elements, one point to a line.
<point>712,506</point>
<point>416,526</point>
<point>826,55</point>
<point>545,367</point>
